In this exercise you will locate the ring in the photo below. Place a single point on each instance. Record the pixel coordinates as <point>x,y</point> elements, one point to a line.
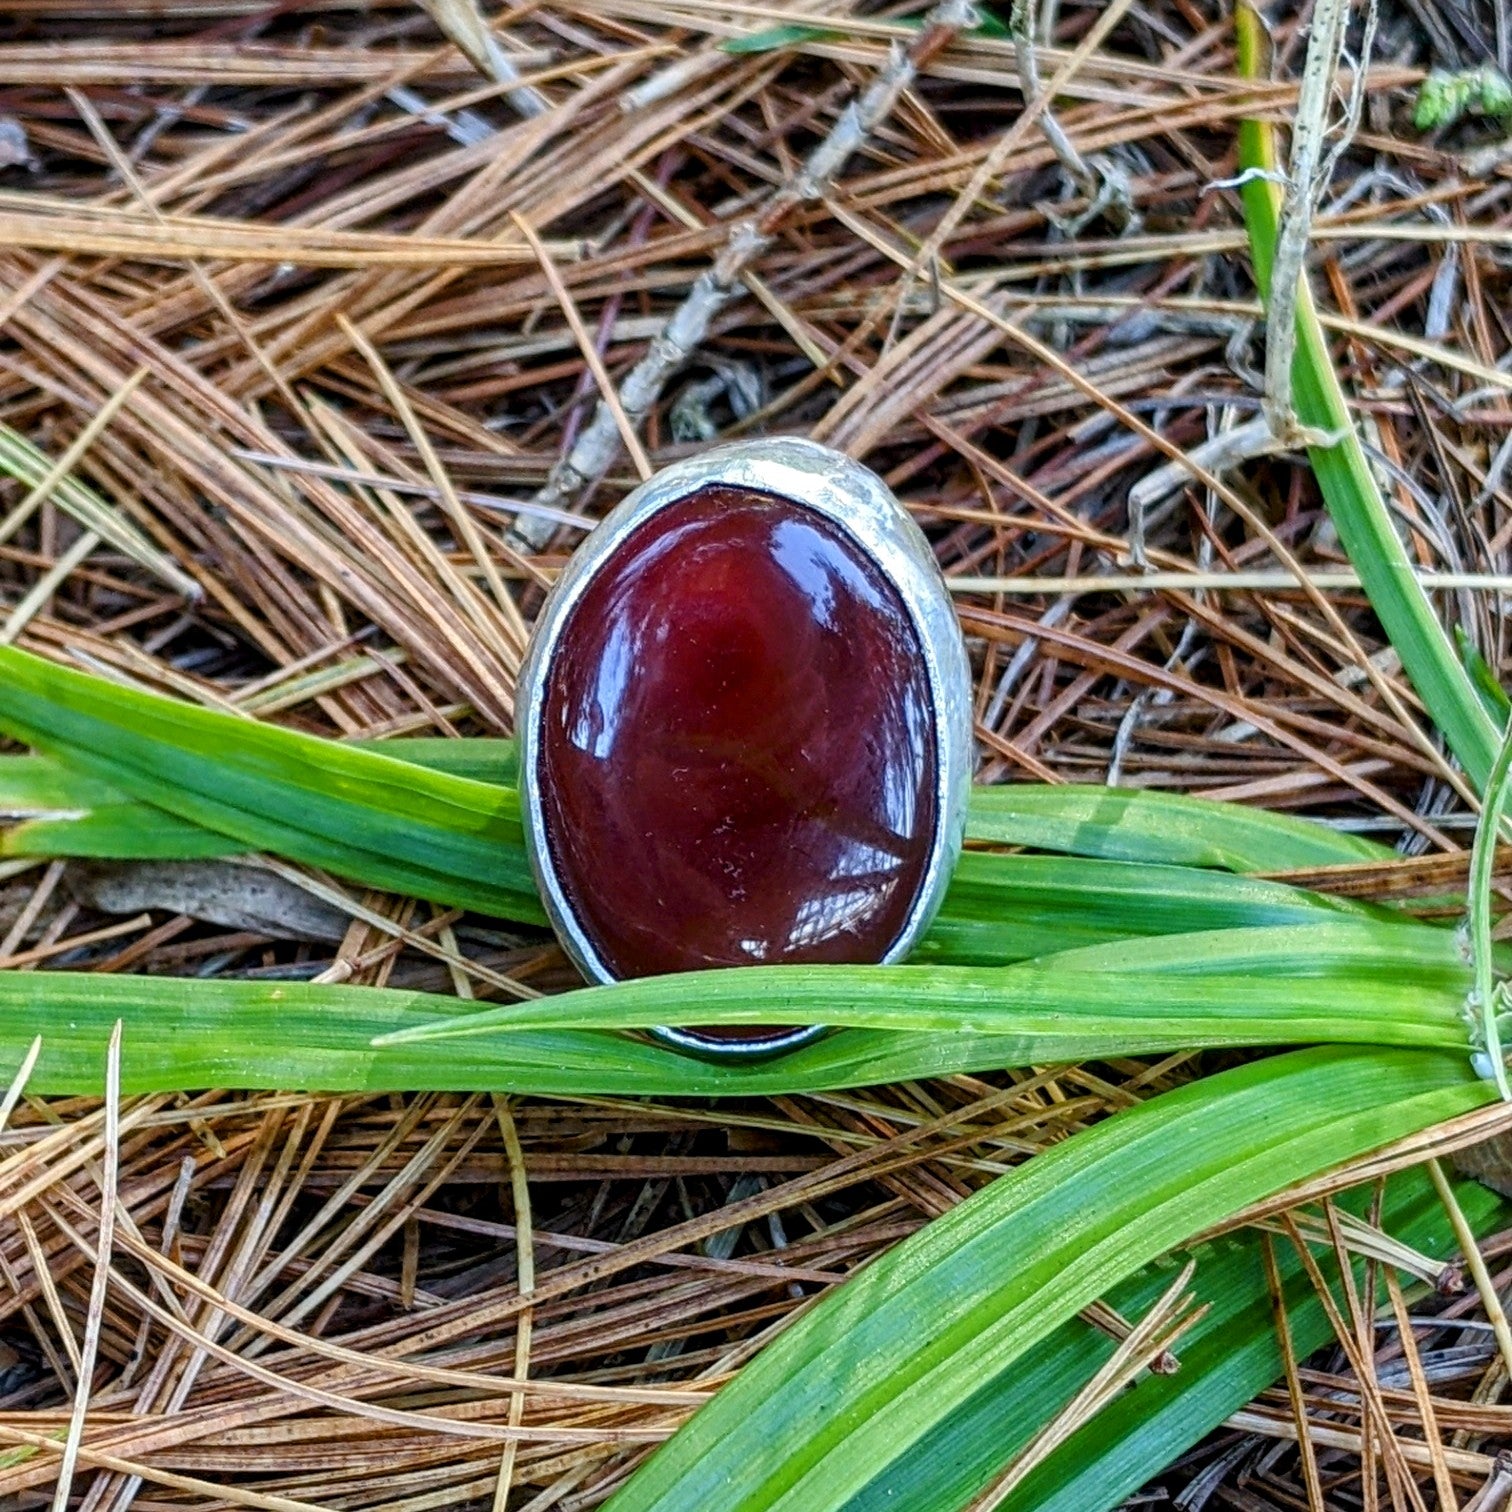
<point>744,722</point>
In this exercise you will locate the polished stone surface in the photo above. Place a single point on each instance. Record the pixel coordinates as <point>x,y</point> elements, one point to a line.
<point>737,752</point>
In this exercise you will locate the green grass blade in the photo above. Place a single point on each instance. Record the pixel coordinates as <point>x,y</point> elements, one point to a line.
<point>223,1032</point>
<point>1227,1358</point>
<point>1349,486</point>
<point>66,712</point>
<point>1004,908</point>
<point>363,815</point>
<point>1357,979</point>
<point>875,1367</point>
<point>1108,824</point>
<point>1131,824</point>
<point>140,777</point>
<point>1001,907</point>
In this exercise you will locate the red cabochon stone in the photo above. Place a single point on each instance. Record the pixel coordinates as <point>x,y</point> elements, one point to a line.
<point>737,753</point>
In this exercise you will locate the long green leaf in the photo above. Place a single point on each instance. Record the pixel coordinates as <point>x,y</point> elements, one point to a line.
<point>864,1377</point>
<point>1131,824</point>
<point>68,711</point>
<point>361,814</point>
<point>1355,979</point>
<point>140,777</point>
<point>1375,989</point>
<point>1227,1358</point>
<point>1003,908</point>
<point>1108,824</point>
<point>1343,471</point>
<point>1047,901</point>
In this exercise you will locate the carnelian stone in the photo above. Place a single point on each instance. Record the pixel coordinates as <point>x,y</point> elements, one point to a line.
<point>737,745</point>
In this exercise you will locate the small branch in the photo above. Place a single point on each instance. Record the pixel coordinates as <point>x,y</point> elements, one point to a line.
<point>1308,174</point>
<point>586,346</point>
<point>1355,108</point>
<point>1300,196</point>
<point>1218,454</point>
<point>1102,182</point>
<point>997,156</point>
<point>595,450</point>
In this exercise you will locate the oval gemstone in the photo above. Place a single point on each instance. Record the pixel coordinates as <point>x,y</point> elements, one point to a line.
<point>737,746</point>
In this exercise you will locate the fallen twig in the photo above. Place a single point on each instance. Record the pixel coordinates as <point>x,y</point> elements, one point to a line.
<point>596,448</point>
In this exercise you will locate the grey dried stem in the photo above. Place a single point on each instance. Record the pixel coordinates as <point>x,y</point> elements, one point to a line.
<point>1306,174</point>
<point>1496,1493</point>
<point>1276,428</point>
<point>596,448</point>
<point>1102,182</point>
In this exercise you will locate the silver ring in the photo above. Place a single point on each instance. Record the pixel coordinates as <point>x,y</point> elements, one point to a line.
<point>855,499</point>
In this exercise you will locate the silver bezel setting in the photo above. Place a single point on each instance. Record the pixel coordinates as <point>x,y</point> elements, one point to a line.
<point>854,498</point>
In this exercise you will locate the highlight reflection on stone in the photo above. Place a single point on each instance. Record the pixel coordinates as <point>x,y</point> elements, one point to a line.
<point>737,752</point>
